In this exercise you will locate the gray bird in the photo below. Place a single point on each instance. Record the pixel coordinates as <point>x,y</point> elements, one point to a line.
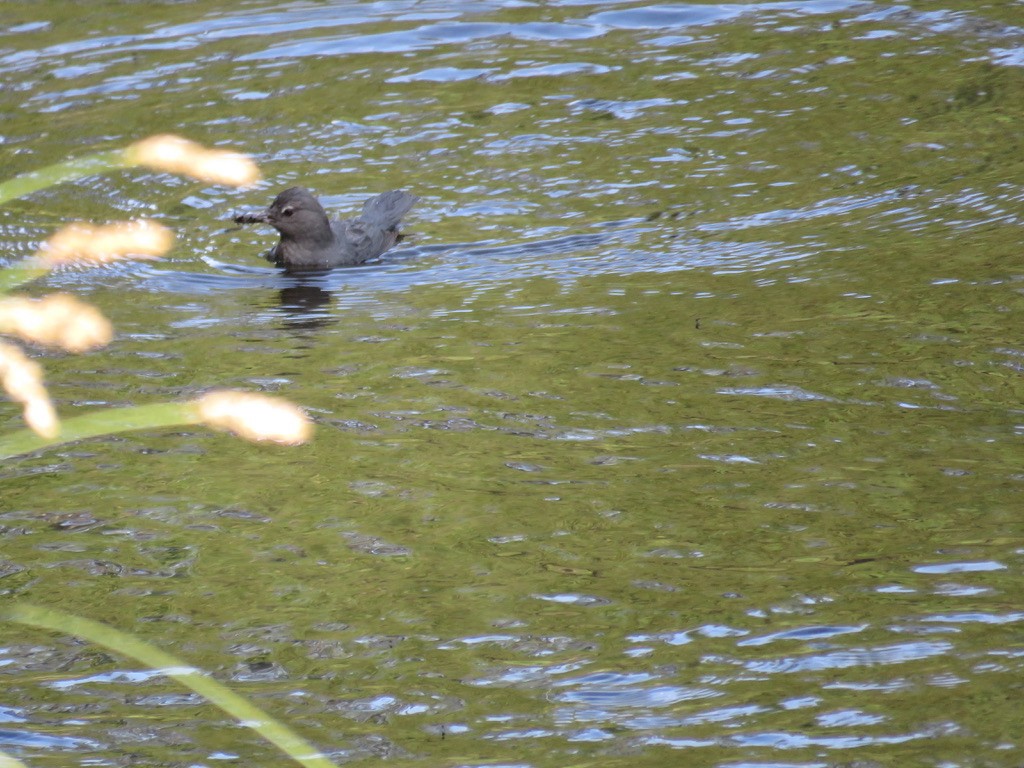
<point>310,240</point>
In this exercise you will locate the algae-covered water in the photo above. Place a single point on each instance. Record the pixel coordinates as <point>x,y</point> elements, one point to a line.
<point>685,428</point>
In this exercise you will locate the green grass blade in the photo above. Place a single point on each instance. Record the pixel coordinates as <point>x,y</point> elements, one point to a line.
<point>33,181</point>
<point>97,423</point>
<point>244,711</point>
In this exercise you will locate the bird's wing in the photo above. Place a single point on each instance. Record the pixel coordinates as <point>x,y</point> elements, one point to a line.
<point>361,241</point>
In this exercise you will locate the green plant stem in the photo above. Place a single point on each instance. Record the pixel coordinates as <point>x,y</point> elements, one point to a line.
<point>33,181</point>
<point>20,274</point>
<point>247,713</point>
<point>106,422</point>
<point>6,761</point>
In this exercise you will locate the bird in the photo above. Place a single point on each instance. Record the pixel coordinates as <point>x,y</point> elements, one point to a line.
<point>312,241</point>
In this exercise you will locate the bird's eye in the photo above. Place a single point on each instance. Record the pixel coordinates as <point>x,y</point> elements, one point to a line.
<point>286,212</point>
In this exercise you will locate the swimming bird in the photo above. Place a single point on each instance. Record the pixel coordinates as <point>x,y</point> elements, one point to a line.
<point>310,240</point>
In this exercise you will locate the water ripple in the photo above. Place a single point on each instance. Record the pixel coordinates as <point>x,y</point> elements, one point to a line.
<point>852,657</point>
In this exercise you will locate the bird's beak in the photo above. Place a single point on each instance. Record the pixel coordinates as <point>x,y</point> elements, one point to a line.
<point>262,217</point>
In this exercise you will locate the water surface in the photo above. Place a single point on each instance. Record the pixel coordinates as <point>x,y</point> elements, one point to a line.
<point>685,428</point>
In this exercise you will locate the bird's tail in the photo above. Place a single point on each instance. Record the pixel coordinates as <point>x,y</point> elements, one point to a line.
<point>388,209</point>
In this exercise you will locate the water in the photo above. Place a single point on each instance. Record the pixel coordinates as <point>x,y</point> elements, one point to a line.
<point>684,429</point>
